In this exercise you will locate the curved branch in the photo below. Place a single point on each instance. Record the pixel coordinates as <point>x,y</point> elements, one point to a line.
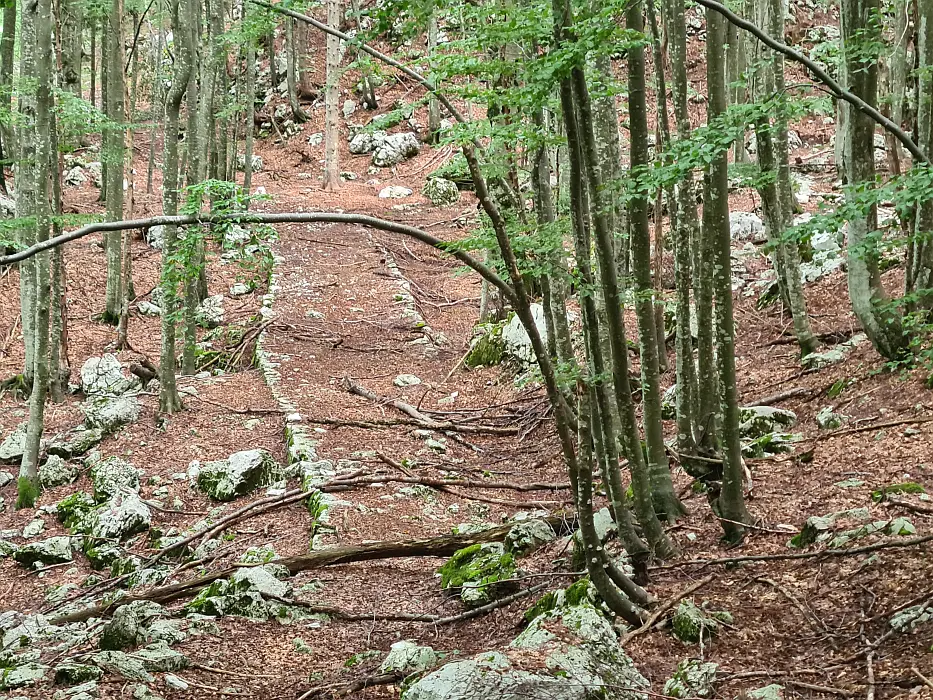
<point>821,75</point>
<point>269,218</point>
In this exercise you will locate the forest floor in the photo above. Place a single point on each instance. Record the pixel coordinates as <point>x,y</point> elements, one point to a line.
<point>817,625</point>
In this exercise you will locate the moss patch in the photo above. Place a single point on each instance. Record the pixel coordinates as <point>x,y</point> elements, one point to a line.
<point>905,487</point>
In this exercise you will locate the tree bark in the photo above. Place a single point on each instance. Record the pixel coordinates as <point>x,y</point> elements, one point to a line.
<point>115,153</point>
<point>331,97</point>
<point>731,504</point>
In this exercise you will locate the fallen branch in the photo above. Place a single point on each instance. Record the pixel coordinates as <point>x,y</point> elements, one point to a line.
<point>332,556</point>
<point>656,615</point>
<point>876,426</point>
<point>342,690</point>
<point>890,544</point>
<point>926,681</point>
<point>916,507</point>
<point>782,395</point>
<point>350,616</point>
<point>423,420</point>
<point>443,483</point>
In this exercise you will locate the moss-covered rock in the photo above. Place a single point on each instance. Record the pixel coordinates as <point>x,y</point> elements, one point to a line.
<point>691,623</point>
<point>527,535</point>
<point>580,592</point>
<point>112,476</point>
<point>692,679</point>
<point>239,474</point>
<point>488,348</point>
<point>481,572</point>
<point>818,528</point>
<point>55,550</point>
<point>70,673</point>
<point>74,510</point>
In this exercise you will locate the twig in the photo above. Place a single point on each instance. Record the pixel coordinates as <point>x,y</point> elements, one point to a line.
<point>926,681</point>
<point>787,594</point>
<point>819,688</point>
<point>916,507</point>
<point>663,609</point>
<point>340,690</point>
<point>875,426</point>
<point>870,695</point>
<point>225,672</point>
<point>781,396</point>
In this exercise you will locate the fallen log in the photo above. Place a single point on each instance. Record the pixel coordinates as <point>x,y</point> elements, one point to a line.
<point>332,556</point>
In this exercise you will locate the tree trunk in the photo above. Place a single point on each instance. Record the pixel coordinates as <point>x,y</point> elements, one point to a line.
<point>39,13</point>
<point>731,505</point>
<point>93,64</point>
<point>291,70</point>
<point>434,108</point>
<point>72,43</point>
<point>331,97</point>
<point>882,323</point>
<point>157,92</point>
<point>250,115</point>
<point>662,488</point>
<point>7,44</point>
<point>115,154</point>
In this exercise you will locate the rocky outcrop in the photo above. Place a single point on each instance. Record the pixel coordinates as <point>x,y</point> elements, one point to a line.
<point>239,474</point>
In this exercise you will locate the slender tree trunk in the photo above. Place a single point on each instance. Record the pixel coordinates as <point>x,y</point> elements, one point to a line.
<point>93,64</point>
<point>369,93</point>
<point>72,35</point>
<point>731,505</point>
<point>41,14</point>
<point>7,45</point>
<point>662,488</point>
<point>250,114</point>
<point>291,70</point>
<point>434,108</point>
<point>881,323</point>
<point>157,92</point>
<point>172,276</point>
<point>114,153</point>
<point>331,96</point>
<point>921,260</point>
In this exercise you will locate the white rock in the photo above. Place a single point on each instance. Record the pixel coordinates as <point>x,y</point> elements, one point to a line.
<point>516,340</point>
<point>394,192</point>
<point>403,380</point>
<point>395,148</point>
<point>103,376</point>
<point>746,226</point>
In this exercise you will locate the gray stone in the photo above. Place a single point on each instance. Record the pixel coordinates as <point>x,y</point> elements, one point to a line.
<point>126,628</point>
<point>692,679</point>
<point>167,631</point>
<point>34,528</point>
<point>109,414</point>
<point>55,471</point>
<point>255,160</point>
<point>441,192</point>
<point>239,289</point>
<point>238,475</point>
<point>6,478</point>
<point>365,142</point>
<point>746,226</point>
<point>158,657</point>
<point>404,380</point>
<point>757,421</point>
<point>147,308</point>
<point>582,661</point>
<point>395,148</point>
<point>210,313</point>
<point>827,419</point>
<point>13,445</point>
<point>75,442</point>
<point>123,515</point>
<point>113,476</point>
<point>261,579</point>
<point>55,550</point>
<point>349,107</point>
<point>835,355</point>
<point>394,192</point>
<point>516,341</point>
<point>122,664</point>
<point>71,673</point>
<point>96,170</point>
<point>175,683</point>
<point>79,692</point>
<point>407,657</point>
<point>75,177</point>
<point>768,692</point>
<point>527,536</point>
<point>155,236</point>
<point>21,676</point>
<point>103,376</point>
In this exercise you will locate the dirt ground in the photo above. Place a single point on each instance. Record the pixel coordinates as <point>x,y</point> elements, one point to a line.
<point>811,624</point>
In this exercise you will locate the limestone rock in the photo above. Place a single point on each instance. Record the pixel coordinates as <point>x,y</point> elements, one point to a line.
<point>516,341</point>
<point>71,673</point>
<point>109,414</point>
<point>155,236</point>
<point>407,657</point>
<point>238,475</point>
<point>365,142</point>
<point>126,628</point>
<point>13,446</point>
<point>404,380</point>
<point>481,572</point>
<point>527,536</point>
<point>757,421</point>
<point>690,622</point>
<point>827,419</point>
<point>147,308</point>
<point>158,657</point>
<point>21,676</point>
<point>75,442</point>
<point>55,471</point>
<point>394,192</point>
<point>55,550</point>
<point>75,177</point>
<point>103,376</point>
<point>6,478</point>
<point>768,692</point>
<point>835,355</point>
<point>395,148</point>
<point>123,515</point>
<point>113,476</point>
<point>692,679</point>
<point>122,664</point>
<point>256,162</point>
<point>746,226</point>
<point>441,192</point>
<point>210,313</point>
<point>261,579</point>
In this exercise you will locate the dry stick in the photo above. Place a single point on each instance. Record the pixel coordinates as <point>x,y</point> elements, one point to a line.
<point>663,609</point>
<point>812,686</point>
<point>787,594</point>
<point>340,690</point>
<point>892,544</point>
<point>350,616</point>
<point>423,420</point>
<point>916,507</point>
<point>332,556</point>
<point>838,91</point>
<point>926,681</point>
<point>782,395</point>
<point>875,426</point>
<point>870,695</point>
<point>443,483</point>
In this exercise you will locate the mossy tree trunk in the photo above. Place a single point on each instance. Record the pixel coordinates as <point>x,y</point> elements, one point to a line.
<point>331,98</point>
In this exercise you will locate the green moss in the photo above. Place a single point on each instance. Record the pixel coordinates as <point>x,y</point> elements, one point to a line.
<point>477,563</point>
<point>75,674</point>
<point>456,170</point>
<point>488,350</point>
<point>27,492</point>
<point>361,658</point>
<point>73,510</point>
<point>577,593</point>
<point>690,622</point>
<point>905,487</point>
